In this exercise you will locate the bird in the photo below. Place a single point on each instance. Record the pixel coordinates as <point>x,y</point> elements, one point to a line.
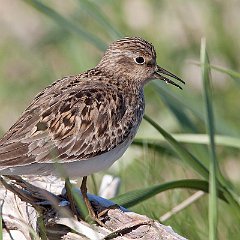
<point>81,124</point>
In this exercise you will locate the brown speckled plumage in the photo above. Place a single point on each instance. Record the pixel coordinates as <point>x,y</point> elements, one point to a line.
<point>80,118</point>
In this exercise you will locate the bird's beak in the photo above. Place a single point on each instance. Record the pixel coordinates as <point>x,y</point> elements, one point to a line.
<point>158,75</point>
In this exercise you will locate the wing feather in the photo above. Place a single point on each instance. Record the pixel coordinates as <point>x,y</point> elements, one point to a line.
<point>68,124</point>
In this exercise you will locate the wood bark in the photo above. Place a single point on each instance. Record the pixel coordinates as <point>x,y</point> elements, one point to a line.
<point>34,207</point>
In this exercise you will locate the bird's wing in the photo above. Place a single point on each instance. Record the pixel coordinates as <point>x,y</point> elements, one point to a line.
<point>74,124</point>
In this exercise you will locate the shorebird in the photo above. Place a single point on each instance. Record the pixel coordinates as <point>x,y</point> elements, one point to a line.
<point>82,124</point>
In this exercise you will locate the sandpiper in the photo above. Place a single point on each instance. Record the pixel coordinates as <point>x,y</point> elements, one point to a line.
<point>82,124</point>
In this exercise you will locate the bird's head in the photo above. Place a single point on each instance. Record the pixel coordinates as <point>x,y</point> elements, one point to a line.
<point>134,59</point>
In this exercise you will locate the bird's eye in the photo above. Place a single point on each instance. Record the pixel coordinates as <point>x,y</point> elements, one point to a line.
<point>139,60</point>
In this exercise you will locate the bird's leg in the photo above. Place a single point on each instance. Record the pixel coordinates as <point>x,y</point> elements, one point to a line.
<point>70,197</point>
<point>91,212</point>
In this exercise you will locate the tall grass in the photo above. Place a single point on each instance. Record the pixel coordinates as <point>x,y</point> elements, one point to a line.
<point>186,143</point>
<point>213,167</point>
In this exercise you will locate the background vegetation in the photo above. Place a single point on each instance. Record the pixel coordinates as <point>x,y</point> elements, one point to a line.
<point>41,41</point>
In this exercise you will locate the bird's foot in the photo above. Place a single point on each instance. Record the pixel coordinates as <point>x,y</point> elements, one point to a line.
<point>103,212</point>
<point>88,204</point>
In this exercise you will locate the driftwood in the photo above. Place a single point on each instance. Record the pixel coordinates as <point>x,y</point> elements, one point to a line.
<point>29,211</point>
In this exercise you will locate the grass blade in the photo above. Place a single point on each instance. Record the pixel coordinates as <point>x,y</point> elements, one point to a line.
<point>220,140</point>
<point>213,167</point>
<point>186,104</point>
<point>231,73</point>
<point>95,12</point>
<point>132,198</point>
<point>177,106</point>
<point>154,145</point>
<point>194,163</point>
<point>180,150</point>
<point>234,74</point>
<point>67,25</point>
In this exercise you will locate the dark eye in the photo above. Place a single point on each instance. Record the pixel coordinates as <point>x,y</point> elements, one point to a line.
<point>139,60</point>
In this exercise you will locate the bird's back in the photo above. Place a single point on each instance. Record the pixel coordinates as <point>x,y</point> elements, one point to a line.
<point>75,119</point>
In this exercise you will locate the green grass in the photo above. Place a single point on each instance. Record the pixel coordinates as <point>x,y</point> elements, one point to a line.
<point>213,167</point>
<point>189,140</point>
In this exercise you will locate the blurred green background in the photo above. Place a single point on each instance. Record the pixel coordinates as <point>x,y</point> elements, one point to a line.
<point>41,41</point>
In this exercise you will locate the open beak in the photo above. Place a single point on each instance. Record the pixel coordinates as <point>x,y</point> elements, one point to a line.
<point>158,74</point>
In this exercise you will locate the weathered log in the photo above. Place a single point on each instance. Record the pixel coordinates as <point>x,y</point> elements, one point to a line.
<point>29,210</point>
